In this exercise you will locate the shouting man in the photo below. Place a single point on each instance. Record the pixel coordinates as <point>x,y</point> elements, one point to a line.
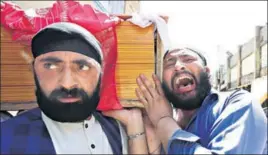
<point>67,72</point>
<point>206,123</point>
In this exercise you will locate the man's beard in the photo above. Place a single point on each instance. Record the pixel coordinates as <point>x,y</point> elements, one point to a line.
<point>202,90</point>
<point>67,112</point>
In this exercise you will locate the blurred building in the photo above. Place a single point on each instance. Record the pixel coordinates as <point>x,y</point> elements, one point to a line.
<point>247,67</point>
<point>220,78</point>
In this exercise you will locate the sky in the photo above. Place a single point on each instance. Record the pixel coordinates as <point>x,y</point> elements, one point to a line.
<point>213,27</point>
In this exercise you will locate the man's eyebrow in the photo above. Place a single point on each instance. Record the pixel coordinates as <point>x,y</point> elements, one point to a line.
<point>51,59</point>
<point>81,62</point>
<point>169,58</point>
<point>183,54</point>
<point>175,55</point>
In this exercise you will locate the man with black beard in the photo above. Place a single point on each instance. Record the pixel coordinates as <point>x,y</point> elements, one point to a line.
<point>67,71</point>
<point>206,122</point>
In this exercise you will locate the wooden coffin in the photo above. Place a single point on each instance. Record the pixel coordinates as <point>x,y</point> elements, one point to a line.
<point>136,54</point>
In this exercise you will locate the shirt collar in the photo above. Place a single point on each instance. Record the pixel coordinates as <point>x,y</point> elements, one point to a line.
<point>212,96</point>
<point>66,126</point>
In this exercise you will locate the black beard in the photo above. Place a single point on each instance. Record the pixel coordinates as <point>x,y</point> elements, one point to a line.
<point>67,112</point>
<point>202,90</point>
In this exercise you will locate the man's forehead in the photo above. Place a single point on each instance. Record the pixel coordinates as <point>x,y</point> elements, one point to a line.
<point>65,56</point>
<point>181,52</point>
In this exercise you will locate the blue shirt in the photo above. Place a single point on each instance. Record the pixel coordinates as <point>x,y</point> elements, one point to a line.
<point>233,125</point>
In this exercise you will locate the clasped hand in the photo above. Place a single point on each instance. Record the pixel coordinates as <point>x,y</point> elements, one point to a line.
<point>152,96</point>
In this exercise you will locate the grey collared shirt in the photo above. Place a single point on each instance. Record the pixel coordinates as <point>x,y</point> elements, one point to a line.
<point>85,137</point>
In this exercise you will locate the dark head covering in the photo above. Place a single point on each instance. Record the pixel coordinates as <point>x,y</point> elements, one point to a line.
<point>190,50</point>
<point>65,36</point>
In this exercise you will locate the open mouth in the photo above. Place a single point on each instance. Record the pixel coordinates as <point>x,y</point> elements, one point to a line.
<point>184,83</point>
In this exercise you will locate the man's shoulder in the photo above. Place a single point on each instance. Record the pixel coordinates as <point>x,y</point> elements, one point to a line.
<point>25,133</point>
<point>23,120</point>
<point>237,99</point>
<point>241,101</point>
<point>233,97</point>
<point>241,97</point>
<point>237,104</point>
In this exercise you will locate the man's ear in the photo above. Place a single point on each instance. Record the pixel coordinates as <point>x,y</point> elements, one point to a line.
<point>207,70</point>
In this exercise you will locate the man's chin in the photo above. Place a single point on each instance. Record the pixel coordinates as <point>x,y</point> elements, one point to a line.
<point>66,112</point>
<point>185,101</point>
<point>186,95</point>
<point>65,116</point>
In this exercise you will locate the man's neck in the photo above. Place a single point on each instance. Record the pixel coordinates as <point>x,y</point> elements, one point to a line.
<point>184,117</point>
<point>44,116</point>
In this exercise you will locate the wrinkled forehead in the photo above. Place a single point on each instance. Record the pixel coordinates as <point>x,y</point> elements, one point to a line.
<point>66,57</point>
<point>181,52</point>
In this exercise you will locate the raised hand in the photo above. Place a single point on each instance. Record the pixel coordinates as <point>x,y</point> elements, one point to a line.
<point>131,118</point>
<point>153,99</point>
<point>133,121</point>
<point>157,107</point>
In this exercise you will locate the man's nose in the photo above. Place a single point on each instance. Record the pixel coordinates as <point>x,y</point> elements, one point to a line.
<point>179,66</point>
<point>67,80</point>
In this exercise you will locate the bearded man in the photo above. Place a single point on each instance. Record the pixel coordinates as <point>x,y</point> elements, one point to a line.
<point>67,71</point>
<point>206,122</point>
